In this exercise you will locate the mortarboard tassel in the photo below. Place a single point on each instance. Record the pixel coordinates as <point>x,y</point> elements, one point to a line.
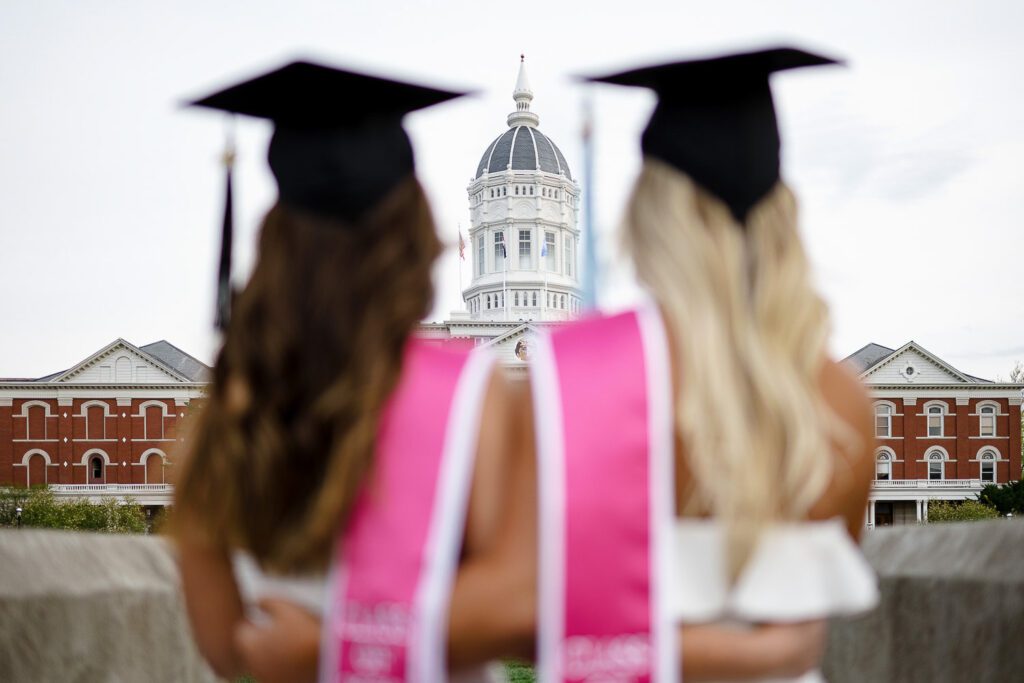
<point>224,293</point>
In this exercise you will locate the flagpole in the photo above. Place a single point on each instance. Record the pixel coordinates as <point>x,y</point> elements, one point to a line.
<point>462,248</point>
<point>589,237</point>
<point>544,292</point>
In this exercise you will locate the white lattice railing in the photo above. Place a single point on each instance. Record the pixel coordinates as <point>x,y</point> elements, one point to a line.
<point>112,489</point>
<point>927,484</point>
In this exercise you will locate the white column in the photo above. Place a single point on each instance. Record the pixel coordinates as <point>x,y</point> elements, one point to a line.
<point>871,514</point>
<point>924,507</point>
<point>917,504</point>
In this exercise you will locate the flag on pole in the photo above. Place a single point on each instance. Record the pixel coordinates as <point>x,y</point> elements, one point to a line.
<point>462,246</point>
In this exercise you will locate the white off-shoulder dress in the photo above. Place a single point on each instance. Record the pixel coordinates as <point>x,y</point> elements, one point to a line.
<point>310,592</point>
<point>798,572</point>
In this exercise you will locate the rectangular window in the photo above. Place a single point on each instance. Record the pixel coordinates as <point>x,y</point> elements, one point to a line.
<point>934,423</point>
<point>549,252</point>
<point>499,251</point>
<point>988,424</point>
<point>569,263</point>
<point>525,250</point>
<point>480,265</point>
<point>883,421</point>
<point>882,471</point>
<point>988,472</point>
<point>935,470</point>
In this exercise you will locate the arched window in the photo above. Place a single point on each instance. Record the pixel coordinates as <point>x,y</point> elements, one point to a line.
<point>153,462</point>
<point>987,417</point>
<point>936,466</point>
<point>95,462</point>
<point>883,420</point>
<point>96,472</point>
<point>155,422</point>
<point>988,466</point>
<point>883,466</point>
<point>516,297</point>
<point>36,463</point>
<point>36,415</point>
<point>534,299</point>
<point>935,420</point>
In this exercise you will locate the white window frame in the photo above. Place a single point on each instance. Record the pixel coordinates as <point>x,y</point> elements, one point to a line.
<point>987,458</point>
<point>982,414</point>
<point>500,262</point>
<point>884,457</point>
<point>87,462</point>
<point>525,259</point>
<point>933,457</point>
<point>888,415</point>
<point>929,411</point>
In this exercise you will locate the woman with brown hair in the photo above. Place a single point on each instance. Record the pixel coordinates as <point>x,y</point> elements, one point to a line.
<point>332,435</point>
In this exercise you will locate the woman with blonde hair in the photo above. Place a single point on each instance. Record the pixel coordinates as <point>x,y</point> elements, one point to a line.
<point>702,460</point>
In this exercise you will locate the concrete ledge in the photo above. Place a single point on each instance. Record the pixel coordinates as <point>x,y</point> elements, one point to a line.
<point>92,608</point>
<point>107,608</point>
<point>952,607</point>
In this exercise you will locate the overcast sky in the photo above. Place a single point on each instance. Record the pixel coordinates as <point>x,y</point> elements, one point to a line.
<point>907,162</point>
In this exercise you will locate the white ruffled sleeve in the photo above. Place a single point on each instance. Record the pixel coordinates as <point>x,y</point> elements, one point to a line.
<point>797,572</point>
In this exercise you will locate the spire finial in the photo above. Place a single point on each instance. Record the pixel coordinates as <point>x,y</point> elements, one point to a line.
<point>522,94</point>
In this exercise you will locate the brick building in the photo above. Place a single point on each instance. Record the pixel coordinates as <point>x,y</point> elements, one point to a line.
<point>104,427</point>
<point>941,434</point>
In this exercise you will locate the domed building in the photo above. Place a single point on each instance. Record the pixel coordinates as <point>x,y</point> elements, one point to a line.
<point>523,241</point>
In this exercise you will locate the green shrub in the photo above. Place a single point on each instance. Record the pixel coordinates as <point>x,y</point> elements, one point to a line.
<point>959,511</point>
<point>41,509</point>
<point>517,672</point>
<point>1005,498</point>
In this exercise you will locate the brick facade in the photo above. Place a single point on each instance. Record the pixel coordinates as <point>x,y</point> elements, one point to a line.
<point>931,441</point>
<point>113,420</point>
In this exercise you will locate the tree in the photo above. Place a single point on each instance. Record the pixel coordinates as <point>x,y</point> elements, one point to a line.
<point>41,509</point>
<point>1006,498</point>
<point>959,511</point>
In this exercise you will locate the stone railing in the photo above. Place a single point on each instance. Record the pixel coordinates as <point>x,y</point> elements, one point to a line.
<point>94,607</point>
<point>143,494</point>
<point>952,607</point>
<point>927,484</point>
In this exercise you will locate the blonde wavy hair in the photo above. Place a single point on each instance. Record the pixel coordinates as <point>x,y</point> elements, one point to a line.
<point>748,333</point>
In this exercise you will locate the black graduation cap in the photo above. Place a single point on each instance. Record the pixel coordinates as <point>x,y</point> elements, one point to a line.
<point>715,120</point>
<point>338,145</point>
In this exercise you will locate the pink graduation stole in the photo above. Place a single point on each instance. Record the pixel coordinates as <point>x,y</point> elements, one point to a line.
<point>602,397</point>
<point>395,563</point>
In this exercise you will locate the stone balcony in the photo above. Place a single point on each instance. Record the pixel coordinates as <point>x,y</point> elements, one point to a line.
<point>931,489</point>
<point>143,494</point>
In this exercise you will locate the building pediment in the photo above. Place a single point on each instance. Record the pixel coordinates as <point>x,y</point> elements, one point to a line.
<point>913,364</point>
<point>513,347</point>
<point>120,362</point>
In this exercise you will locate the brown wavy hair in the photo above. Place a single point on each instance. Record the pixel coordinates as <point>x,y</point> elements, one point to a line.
<point>312,352</point>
